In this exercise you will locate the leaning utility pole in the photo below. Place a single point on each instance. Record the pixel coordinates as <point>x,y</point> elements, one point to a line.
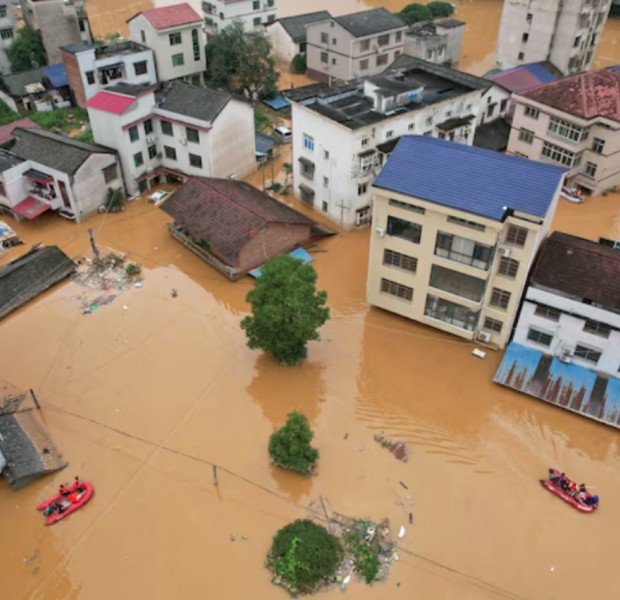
<point>92,242</point>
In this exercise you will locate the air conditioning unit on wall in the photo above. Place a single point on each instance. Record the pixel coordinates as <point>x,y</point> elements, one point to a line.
<point>566,356</point>
<point>504,251</point>
<point>484,336</point>
<point>380,231</point>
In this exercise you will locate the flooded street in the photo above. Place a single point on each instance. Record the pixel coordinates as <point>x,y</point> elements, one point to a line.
<point>147,393</point>
<point>143,400</point>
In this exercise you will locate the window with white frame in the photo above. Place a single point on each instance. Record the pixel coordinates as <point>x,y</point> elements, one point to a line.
<point>539,337</point>
<point>567,130</point>
<point>308,142</point>
<point>590,169</point>
<point>589,354</point>
<point>531,112</point>
<point>559,155</point>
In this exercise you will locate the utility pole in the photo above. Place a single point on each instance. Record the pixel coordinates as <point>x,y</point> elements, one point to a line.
<point>92,242</point>
<point>341,206</point>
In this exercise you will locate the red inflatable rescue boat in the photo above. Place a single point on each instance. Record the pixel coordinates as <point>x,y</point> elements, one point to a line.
<point>569,492</point>
<point>60,506</point>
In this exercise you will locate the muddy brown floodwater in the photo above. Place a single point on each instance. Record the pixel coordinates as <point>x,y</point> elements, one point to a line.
<point>146,393</point>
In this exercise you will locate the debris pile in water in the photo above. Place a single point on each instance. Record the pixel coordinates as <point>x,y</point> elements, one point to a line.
<point>398,449</point>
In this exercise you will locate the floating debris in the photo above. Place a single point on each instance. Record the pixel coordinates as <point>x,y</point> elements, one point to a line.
<point>398,449</point>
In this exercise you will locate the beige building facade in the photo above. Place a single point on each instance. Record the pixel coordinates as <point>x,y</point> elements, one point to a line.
<point>564,32</point>
<point>575,123</point>
<point>443,263</point>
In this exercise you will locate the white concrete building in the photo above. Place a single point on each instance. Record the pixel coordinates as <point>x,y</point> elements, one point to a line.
<point>254,14</point>
<point>438,42</point>
<point>354,46</point>
<point>174,34</point>
<point>186,130</point>
<point>342,134</point>
<point>91,68</point>
<point>288,35</point>
<point>45,171</point>
<point>571,308</point>
<point>564,32</point>
<point>7,34</point>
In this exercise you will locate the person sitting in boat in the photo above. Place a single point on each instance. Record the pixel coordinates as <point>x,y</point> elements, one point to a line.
<point>63,490</point>
<point>77,485</point>
<point>592,501</point>
<point>582,494</point>
<point>564,483</point>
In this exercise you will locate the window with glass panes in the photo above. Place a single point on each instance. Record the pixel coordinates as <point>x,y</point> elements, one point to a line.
<point>402,261</point>
<point>396,289</point>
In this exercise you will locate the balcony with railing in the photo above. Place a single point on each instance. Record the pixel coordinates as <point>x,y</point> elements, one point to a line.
<point>41,187</point>
<point>463,250</point>
<point>457,284</point>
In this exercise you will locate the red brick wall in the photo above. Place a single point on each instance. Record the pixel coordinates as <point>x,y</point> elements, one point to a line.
<point>73,75</point>
<point>277,239</point>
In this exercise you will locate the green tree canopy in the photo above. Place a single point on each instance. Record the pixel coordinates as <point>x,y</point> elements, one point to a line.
<point>240,61</point>
<point>412,13</point>
<point>27,51</point>
<point>286,309</point>
<point>440,9</point>
<point>303,555</point>
<point>289,446</point>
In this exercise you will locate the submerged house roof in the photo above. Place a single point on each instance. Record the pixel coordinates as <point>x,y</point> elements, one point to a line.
<point>226,214</point>
<point>470,179</point>
<point>27,448</point>
<point>26,277</point>
<point>579,268</point>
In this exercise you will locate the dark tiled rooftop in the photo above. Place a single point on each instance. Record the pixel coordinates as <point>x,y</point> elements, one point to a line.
<point>581,268</point>
<point>296,26</point>
<point>370,22</point>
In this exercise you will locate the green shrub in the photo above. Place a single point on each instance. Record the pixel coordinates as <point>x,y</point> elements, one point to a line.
<point>289,446</point>
<point>364,549</point>
<point>303,555</point>
<point>440,9</point>
<point>298,64</point>
<point>261,120</point>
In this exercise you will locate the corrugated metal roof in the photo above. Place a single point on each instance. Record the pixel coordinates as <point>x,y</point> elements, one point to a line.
<point>57,75</point>
<point>111,103</point>
<point>471,179</point>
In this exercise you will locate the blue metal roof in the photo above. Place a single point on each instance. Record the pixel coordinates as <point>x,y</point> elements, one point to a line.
<point>57,75</point>
<point>264,143</point>
<point>277,103</point>
<point>540,72</point>
<point>474,180</point>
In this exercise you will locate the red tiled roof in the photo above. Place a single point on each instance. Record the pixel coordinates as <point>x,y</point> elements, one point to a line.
<point>6,132</point>
<point>580,268</point>
<point>226,213</point>
<point>586,95</point>
<point>171,16</point>
<point>116,104</point>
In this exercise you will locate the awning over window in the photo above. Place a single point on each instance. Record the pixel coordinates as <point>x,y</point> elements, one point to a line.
<point>452,124</point>
<point>367,153</point>
<point>306,163</point>
<point>31,207</point>
<point>308,191</point>
<point>38,176</point>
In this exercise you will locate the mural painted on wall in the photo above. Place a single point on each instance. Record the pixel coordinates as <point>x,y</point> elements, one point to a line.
<point>566,385</point>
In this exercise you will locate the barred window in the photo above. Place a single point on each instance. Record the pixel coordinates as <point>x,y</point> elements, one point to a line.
<point>402,261</point>
<point>589,354</point>
<point>508,267</point>
<point>500,298</point>
<point>396,289</point>
<point>466,223</point>
<point>597,328</point>
<point>406,206</point>
<point>516,235</point>
<point>540,337</point>
<point>492,325</point>
<point>547,312</point>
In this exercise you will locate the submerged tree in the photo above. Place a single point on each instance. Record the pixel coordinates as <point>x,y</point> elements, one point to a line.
<point>27,50</point>
<point>240,61</point>
<point>412,13</point>
<point>289,446</point>
<point>440,9</point>
<point>304,556</point>
<point>286,309</point>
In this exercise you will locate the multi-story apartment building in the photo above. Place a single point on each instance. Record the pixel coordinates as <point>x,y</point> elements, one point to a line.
<point>90,68</point>
<point>454,232</point>
<point>341,134</point>
<point>574,122</point>
<point>288,35</point>
<point>564,32</point>
<point>7,34</point>
<point>174,34</point>
<point>436,41</point>
<point>254,14</point>
<point>60,22</point>
<point>571,308</point>
<point>353,46</point>
<point>186,130</point>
